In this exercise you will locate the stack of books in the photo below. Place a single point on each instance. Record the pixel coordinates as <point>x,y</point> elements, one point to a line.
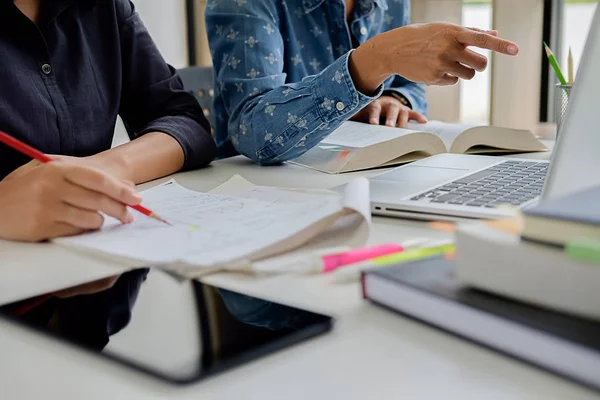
<point>528,287</point>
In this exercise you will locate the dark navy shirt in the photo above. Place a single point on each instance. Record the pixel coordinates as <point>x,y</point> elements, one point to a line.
<point>64,81</point>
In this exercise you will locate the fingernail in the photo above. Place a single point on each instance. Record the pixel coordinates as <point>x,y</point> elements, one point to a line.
<point>512,49</point>
<point>389,123</point>
<point>373,121</point>
<point>128,218</point>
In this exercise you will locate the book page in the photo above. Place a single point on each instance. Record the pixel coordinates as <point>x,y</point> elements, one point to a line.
<point>349,231</point>
<point>360,135</point>
<point>207,229</point>
<point>445,131</point>
<point>240,187</point>
<point>210,230</point>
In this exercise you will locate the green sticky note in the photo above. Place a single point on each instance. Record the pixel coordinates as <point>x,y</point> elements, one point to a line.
<point>584,249</point>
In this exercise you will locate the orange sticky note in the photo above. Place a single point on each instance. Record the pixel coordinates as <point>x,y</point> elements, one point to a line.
<point>443,226</point>
<point>512,225</point>
<point>343,155</point>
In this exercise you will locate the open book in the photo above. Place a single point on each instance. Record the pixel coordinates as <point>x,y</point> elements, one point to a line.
<point>357,146</point>
<point>216,231</point>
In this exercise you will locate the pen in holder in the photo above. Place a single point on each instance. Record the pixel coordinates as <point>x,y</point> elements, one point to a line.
<point>562,94</point>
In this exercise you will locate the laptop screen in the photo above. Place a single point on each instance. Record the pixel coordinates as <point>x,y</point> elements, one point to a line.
<point>576,158</point>
<point>177,331</point>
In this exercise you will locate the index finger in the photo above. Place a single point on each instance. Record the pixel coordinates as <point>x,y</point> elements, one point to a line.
<point>102,183</point>
<point>483,40</point>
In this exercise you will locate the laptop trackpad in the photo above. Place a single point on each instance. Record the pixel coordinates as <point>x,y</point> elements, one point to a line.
<point>422,174</point>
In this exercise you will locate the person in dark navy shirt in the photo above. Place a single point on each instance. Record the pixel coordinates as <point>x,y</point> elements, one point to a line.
<point>68,69</point>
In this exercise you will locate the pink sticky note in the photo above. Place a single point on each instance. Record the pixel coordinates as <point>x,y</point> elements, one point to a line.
<point>334,261</point>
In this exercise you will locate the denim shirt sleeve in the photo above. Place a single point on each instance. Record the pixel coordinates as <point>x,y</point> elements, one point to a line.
<point>271,121</point>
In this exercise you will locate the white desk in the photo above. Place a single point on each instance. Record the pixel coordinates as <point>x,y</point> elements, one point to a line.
<point>371,354</point>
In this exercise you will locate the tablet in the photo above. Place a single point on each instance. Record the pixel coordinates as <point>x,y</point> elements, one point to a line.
<point>180,332</point>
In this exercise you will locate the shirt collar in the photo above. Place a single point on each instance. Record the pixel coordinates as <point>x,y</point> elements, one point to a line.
<point>311,5</point>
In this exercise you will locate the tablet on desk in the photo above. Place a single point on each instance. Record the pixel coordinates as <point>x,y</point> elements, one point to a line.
<point>181,332</point>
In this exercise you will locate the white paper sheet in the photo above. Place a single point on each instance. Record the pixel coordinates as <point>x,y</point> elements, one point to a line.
<point>447,132</point>
<point>240,187</point>
<point>359,135</point>
<point>347,232</point>
<point>208,229</point>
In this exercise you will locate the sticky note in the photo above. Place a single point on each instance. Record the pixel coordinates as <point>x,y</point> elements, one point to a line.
<point>583,249</point>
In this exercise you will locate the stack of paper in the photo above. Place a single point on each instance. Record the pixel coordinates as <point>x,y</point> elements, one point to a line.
<point>217,231</point>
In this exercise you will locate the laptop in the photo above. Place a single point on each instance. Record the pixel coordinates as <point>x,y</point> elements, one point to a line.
<point>451,186</point>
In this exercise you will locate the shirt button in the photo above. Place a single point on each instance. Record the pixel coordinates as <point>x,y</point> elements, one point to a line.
<point>46,69</point>
<point>363,31</point>
<point>340,106</point>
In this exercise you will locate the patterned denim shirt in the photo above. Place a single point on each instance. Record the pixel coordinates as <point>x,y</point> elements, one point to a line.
<point>281,71</point>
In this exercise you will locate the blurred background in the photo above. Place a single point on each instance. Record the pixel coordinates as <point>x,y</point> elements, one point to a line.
<point>516,93</point>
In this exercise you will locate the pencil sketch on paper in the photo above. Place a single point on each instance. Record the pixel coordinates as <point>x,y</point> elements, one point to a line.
<point>208,229</point>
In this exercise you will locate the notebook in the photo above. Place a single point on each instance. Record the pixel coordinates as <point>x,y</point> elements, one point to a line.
<point>426,290</point>
<point>213,231</point>
<point>563,219</point>
<point>526,271</point>
<point>357,146</point>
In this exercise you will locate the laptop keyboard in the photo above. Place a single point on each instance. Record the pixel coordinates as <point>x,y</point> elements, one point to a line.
<point>510,182</point>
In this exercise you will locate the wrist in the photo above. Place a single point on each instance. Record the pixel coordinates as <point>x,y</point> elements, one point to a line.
<point>366,68</point>
<point>398,96</point>
<point>112,163</point>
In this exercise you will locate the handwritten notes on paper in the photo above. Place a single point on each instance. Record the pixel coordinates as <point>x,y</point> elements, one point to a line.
<point>209,229</point>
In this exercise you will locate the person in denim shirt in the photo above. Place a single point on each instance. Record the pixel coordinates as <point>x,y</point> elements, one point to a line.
<point>287,75</point>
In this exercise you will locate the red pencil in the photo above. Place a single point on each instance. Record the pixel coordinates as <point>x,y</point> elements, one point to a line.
<point>43,158</point>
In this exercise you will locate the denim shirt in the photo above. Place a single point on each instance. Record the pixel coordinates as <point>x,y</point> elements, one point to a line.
<point>281,71</point>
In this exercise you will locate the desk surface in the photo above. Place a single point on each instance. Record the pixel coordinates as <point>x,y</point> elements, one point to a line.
<point>372,353</point>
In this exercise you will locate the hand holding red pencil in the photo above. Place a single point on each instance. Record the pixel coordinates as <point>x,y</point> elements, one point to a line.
<point>60,199</point>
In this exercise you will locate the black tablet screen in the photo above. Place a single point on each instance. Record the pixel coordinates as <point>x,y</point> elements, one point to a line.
<point>178,331</point>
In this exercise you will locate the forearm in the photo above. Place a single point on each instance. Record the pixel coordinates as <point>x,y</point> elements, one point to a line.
<point>148,157</point>
<point>286,121</point>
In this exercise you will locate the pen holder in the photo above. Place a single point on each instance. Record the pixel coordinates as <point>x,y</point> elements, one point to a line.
<point>562,94</point>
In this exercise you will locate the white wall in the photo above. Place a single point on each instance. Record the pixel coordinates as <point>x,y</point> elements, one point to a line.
<point>444,102</point>
<point>516,81</point>
<point>166,22</point>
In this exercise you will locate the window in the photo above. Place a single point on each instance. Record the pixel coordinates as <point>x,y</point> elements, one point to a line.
<point>475,94</point>
<point>571,21</point>
<point>577,18</point>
